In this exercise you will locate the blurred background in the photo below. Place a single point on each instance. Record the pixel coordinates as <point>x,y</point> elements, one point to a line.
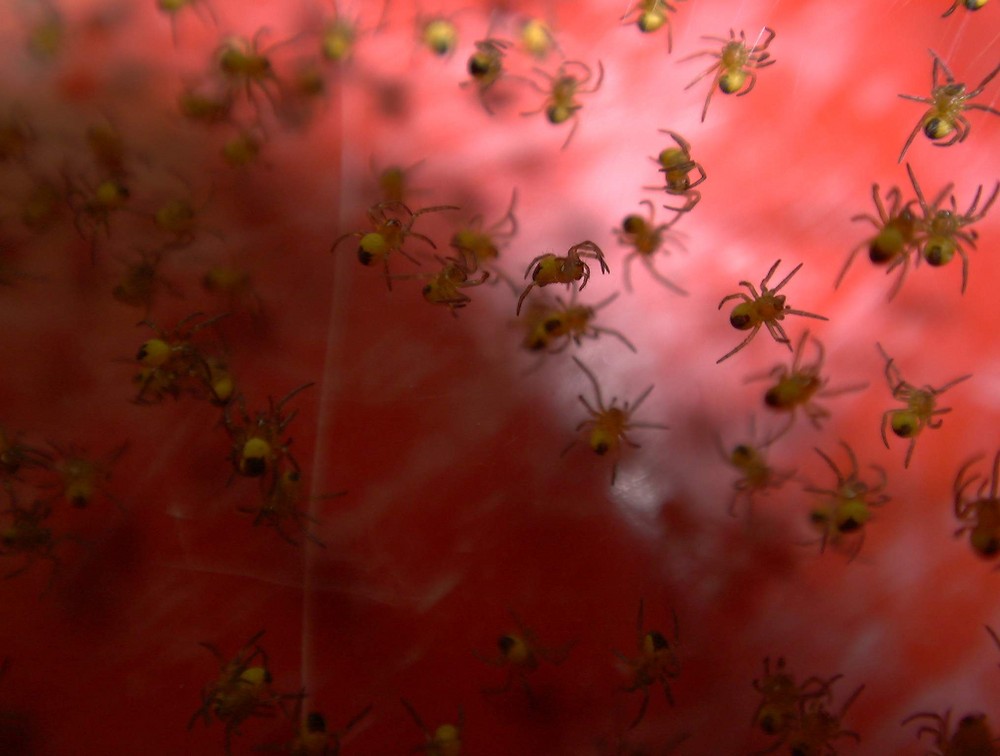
<point>160,160</point>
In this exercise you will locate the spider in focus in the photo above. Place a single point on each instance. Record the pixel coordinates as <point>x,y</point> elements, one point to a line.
<point>646,238</point>
<point>763,309</point>
<point>921,409</point>
<point>171,364</point>
<point>676,165</point>
<point>258,448</point>
<point>560,103</point>
<point>734,70</point>
<point>553,327</point>
<point>608,425</point>
<point>980,516</point>
<point>656,663</point>
<point>566,269</point>
<point>944,122</point>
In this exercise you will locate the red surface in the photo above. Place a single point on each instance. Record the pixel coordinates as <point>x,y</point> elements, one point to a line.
<point>447,440</point>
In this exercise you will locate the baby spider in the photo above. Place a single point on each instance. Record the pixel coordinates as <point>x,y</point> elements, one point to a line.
<point>551,268</point>
<point>551,328</point>
<point>847,506</point>
<point>757,475</point>
<point>676,165</point>
<point>651,16</point>
<point>485,66</point>
<point>312,738</point>
<point>281,505</point>
<point>439,34</point>
<point>921,406</point>
<point>763,309</point>
<point>481,247</point>
<point>781,698</point>
<point>656,663</point>
<point>141,281</point>
<point>258,449</point>
<point>521,654</point>
<point>817,728</point>
<point>172,365</point>
<point>800,385</point>
<point>895,240</point>
<point>948,101</point>
<point>560,103</point>
<point>173,8</point>
<point>607,426</point>
<point>646,239</point>
<point>443,287</point>
<point>940,235</point>
<point>93,208</point>
<point>734,71</point>
<point>393,224</point>
<point>445,740</point>
<point>79,477</point>
<point>16,455</point>
<point>25,532</point>
<point>981,515</point>
<point>972,736</point>
<point>246,66</point>
<point>537,38</point>
<point>242,690</point>
<point>971,5</point>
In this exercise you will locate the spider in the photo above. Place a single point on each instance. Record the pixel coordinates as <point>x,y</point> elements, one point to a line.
<point>676,165</point>
<point>551,328</point>
<point>646,238</point>
<point>246,65</point>
<point>551,268</point>
<point>847,506</point>
<point>93,207</point>
<point>141,281</point>
<point>800,386</point>
<point>980,515</point>
<point>312,737</point>
<point>485,66</point>
<point>444,287</point>
<point>439,34</point>
<point>16,455</point>
<point>521,653</point>
<point>282,500</point>
<point>392,224</point>
<point>481,246</point>
<point>778,711</point>
<point>763,309</point>
<point>258,449</point>
<point>79,477</point>
<point>560,104</point>
<point>896,238</point>
<point>921,408</point>
<point>650,16</point>
<point>173,8</point>
<point>26,533</point>
<point>607,427</point>
<point>818,728</point>
<point>940,232</point>
<point>172,365</point>
<point>242,689</point>
<point>734,71</point>
<point>971,737</point>
<point>757,475</point>
<point>445,740</point>
<point>656,663</point>
<point>948,101</point>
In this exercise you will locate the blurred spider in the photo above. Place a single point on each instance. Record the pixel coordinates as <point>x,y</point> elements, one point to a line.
<point>972,736</point>
<point>800,385</point>
<point>971,5</point>
<point>79,478</point>
<point>650,16</point>
<point>173,9</point>
<point>656,663</point>
<point>392,224</point>
<point>980,515</point>
<point>537,38</point>
<point>847,506</point>
<point>282,504</point>
<point>16,455</point>
<point>763,309</point>
<point>818,728</point>
<point>607,427</point>
<point>247,66</point>
<point>551,328</point>
<point>921,406</point>
<point>521,654</point>
<point>481,246</point>
<point>485,66</point>
<point>781,698</point>
<point>312,736</point>
<point>734,70</point>
<point>26,533</point>
<point>93,207</point>
<point>948,101</point>
<point>940,231</point>
<point>141,281</point>
<point>676,165</point>
<point>561,104</point>
<point>258,449</point>
<point>171,364</point>
<point>756,474</point>
<point>895,240</point>
<point>550,268</point>
<point>646,238</point>
<point>445,740</point>
<point>438,33</point>
<point>242,689</point>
